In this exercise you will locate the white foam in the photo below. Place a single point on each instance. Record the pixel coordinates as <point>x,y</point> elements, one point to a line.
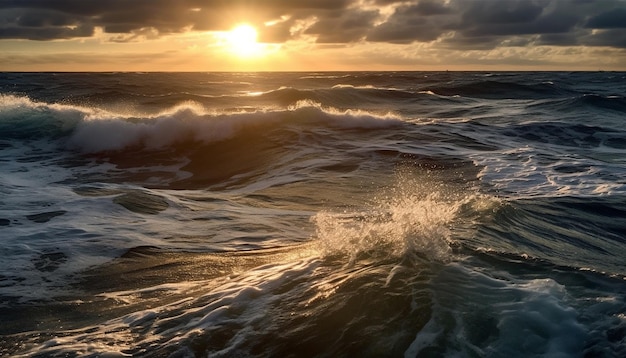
<point>523,172</point>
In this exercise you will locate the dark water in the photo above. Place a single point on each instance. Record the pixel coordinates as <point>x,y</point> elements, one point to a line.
<point>380,214</point>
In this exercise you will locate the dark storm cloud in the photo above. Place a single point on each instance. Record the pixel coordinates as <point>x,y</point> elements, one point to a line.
<point>521,17</point>
<point>423,22</point>
<point>349,27</point>
<point>431,7</point>
<point>39,24</point>
<point>500,12</point>
<point>43,19</point>
<point>563,39</point>
<point>473,22</point>
<point>612,19</point>
<point>612,38</point>
<point>46,33</point>
<point>485,24</point>
<point>466,24</point>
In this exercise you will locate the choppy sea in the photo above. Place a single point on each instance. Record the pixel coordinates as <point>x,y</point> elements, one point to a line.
<point>357,214</point>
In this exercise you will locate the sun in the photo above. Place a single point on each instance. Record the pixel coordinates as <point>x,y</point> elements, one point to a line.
<point>242,40</point>
<point>240,46</point>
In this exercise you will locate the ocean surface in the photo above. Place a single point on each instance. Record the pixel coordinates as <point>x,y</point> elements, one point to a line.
<point>358,214</point>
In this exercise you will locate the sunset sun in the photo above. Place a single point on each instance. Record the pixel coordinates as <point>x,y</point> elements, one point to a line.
<point>242,40</point>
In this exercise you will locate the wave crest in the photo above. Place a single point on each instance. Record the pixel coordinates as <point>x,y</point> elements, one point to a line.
<point>190,124</point>
<point>93,130</point>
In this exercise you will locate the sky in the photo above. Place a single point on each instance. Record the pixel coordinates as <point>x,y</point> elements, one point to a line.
<point>312,35</point>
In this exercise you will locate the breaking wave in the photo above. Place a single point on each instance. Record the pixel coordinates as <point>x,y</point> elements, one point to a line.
<point>92,130</point>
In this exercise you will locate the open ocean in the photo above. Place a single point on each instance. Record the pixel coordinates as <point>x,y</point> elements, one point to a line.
<point>358,214</point>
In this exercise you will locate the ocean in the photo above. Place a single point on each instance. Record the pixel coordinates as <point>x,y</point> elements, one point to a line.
<point>332,214</point>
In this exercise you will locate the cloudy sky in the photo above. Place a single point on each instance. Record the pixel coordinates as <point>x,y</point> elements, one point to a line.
<point>197,35</point>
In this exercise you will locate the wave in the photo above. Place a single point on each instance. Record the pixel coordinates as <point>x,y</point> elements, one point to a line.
<point>344,96</point>
<point>207,297</point>
<point>562,133</point>
<point>583,104</point>
<point>293,304</point>
<point>289,300</point>
<point>574,232</point>
<point>613,103</point>
<point>189,124</point>
<point>22,118</point>
<point>93,130</point>
<point>490,89</point>
<point>605,138</point>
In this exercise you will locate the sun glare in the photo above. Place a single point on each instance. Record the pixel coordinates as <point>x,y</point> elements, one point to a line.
<point>242,40</point>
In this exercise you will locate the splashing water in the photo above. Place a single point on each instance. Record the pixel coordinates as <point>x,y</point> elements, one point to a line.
<point>415,218</point>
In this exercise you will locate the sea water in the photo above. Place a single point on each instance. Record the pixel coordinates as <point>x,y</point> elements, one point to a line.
<point>380,214</point>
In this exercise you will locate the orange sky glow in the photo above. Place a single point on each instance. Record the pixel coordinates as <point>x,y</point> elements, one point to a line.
<point>312,35</point>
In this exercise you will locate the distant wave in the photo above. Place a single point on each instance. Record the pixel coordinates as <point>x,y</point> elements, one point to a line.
<point>615,103</point>
<point>586,102</point>
<point>564,134</point>
<point>490,89</point>
<point>343,95</point>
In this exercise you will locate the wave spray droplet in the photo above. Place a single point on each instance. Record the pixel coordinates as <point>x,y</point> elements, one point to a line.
<point>414,218</point>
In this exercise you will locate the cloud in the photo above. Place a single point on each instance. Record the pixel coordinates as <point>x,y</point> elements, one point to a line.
<point>488,24</point>
<point>46,20</point>
<point>610,38</point>
<point>420,22</point>
<point>612,19</point>
<point>462,24</point>
<point>504,18</point>
<point>349,26</point>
